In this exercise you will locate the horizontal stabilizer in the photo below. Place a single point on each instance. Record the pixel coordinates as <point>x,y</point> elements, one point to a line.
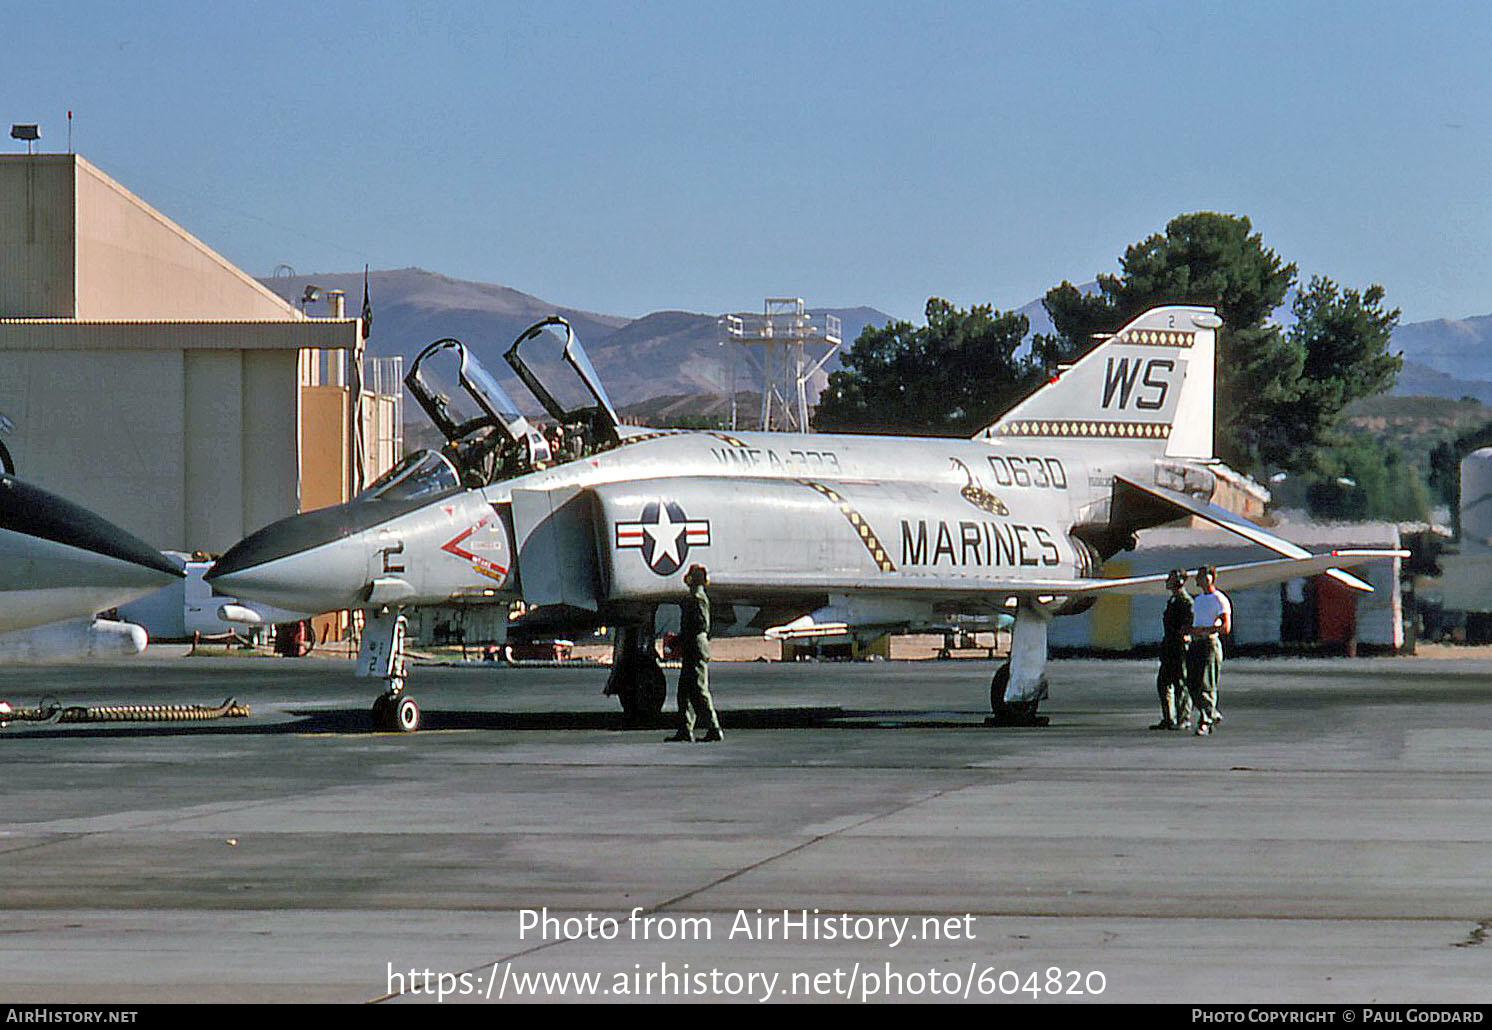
<point>1236,524</point>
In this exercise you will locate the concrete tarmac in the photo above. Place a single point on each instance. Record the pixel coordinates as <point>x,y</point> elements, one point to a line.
<point>1329,844</point>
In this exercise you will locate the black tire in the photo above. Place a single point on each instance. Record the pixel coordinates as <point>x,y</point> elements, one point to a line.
<point>652,691</point>
<point>406,715</point>
<point>1018,713</point>
<point>997,687</point>
<point>383,714</point>
<point>644,692</point>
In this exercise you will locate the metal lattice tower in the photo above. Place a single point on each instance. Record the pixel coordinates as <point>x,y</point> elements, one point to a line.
<point>782,348</point>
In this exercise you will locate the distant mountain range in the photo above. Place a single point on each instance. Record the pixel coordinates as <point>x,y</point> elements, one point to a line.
<point>663,354</point>
<point>1420,380</point>
<point>666,356</point>
<point>1447,358</point>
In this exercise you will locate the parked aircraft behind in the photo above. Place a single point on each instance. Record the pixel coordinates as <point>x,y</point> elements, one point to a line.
<point>59,561</point>
<point>598,526</point>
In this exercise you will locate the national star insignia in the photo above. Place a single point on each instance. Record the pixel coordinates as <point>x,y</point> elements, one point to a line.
<point>664,534</point>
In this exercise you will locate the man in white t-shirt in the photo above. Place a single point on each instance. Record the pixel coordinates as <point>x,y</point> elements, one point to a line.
<point>1212,616</point>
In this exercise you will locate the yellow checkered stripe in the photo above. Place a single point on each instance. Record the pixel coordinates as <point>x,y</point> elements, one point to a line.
<point>1090,430</point>
<point>628,441</point>
<point>1157,338</point>
<point>867,535</point>
<point>645,437</point>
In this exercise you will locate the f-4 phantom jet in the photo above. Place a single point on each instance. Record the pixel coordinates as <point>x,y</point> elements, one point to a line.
<point>597,526</point>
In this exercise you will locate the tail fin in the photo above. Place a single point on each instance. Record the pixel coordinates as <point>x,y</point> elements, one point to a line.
<point>1149,384</point>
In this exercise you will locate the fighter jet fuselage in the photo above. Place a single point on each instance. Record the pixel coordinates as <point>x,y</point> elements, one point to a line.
<point>769,514</point>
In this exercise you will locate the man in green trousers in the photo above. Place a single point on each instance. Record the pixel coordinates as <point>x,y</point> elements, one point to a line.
<point>694,671</point>
<point>1212,618</point>
<point>1170,681</point>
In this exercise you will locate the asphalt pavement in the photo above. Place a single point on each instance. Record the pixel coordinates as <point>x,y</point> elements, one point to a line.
<point>860,834</point>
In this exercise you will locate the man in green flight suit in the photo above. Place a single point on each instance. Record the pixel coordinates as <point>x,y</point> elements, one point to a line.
<point>1170,681</point>
<point>694,671</point>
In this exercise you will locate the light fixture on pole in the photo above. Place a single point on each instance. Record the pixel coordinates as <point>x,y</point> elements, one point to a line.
<point>29,133</point>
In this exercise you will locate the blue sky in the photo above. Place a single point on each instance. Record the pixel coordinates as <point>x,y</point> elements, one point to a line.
<point>629,157</point>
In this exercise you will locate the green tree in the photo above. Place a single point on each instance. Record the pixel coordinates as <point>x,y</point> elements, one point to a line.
<point>1344,336</point>
<point>1361,479</point>
<point>1280,394</point>
<point>951,377</point>
<point>1445,468</point>
<point>1445,474</point>
<point>1218,261</point>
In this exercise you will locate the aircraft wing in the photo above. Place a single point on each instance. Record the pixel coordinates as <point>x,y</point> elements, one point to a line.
<point>985,588</point>
<point>1252,574</point>
<point>1129,494</point>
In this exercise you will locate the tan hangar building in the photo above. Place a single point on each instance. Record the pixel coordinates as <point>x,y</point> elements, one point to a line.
<point>151,380</point>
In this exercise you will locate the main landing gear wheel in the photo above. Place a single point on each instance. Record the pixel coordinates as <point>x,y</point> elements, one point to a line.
<point>1013,713</point>
<point>641,689</point>
<point>636,677</point>
<point>997,687</point>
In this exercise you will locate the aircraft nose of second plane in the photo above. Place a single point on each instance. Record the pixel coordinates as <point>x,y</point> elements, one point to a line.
<point>59,560</point>
<point>34,521</point>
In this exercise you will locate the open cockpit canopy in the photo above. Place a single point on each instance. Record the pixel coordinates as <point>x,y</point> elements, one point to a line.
<point>460,396</point>
<point>557,371</point>
<point>488,437</point>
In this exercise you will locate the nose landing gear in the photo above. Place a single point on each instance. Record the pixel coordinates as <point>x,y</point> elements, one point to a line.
<point>393,712</point>
<point>382,657</point>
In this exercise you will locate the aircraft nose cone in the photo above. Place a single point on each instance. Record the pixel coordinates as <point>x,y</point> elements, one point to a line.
<point>289,536</point>
<point>313,562</point>
<point>33,514</point>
